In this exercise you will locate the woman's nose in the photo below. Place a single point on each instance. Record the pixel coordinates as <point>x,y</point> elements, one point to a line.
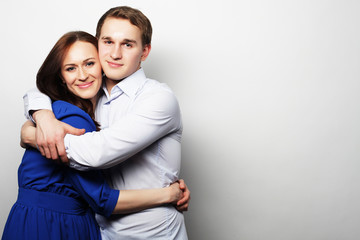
<point>82,74</point>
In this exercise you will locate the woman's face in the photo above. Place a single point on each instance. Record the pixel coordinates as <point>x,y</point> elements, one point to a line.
<point>81,70</point>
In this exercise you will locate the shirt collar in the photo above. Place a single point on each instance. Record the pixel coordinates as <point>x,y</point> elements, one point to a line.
<point>130,85</point>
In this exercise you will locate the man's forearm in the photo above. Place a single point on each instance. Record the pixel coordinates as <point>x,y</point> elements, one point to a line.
<point>28,135</point>
<point>42,115</point>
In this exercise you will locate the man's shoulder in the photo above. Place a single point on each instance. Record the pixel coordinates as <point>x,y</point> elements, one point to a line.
<point>151,85</point>
<point>156,95</point>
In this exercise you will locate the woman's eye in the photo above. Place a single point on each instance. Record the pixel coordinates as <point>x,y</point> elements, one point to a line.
<point>69,69</point>
<point>90,63</point>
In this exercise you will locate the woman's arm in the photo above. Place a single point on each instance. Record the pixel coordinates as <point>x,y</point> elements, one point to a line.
<point>130,201</point>
<point>91,185</point>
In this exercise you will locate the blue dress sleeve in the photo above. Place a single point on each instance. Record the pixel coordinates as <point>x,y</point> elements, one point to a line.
<point>91,185</point>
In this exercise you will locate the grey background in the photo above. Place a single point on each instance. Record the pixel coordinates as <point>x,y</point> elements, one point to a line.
<point>269,92</point>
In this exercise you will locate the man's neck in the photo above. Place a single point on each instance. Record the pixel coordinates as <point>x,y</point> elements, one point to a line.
<point>110,83</point>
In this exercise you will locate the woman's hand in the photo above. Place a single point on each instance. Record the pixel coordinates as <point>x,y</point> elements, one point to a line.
<point>183,198</point>
<point>175,193</point>
<point>183,203</point>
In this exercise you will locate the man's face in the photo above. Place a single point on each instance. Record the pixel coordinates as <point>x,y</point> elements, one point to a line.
<point>120,48</point>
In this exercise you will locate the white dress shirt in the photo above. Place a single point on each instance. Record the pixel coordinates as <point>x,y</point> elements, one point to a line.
<point>141,123</point>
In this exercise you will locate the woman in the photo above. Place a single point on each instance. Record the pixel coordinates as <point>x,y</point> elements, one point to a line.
<point>54,201</point>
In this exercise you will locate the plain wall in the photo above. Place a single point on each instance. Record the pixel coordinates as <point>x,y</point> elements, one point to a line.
<point>269,92</point>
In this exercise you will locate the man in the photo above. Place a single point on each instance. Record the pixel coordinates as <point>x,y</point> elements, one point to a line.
<point>141,123</point>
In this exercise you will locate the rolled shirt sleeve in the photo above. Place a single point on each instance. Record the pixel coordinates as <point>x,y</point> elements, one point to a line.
<point>35,100</point>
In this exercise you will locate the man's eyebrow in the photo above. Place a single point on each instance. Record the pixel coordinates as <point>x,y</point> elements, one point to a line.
<point>129,40</point>
<point>126,40</point>
<point>105,37</point>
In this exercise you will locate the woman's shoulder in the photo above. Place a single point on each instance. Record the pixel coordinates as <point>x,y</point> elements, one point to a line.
<point>67,110</point>
<point>62,109</point>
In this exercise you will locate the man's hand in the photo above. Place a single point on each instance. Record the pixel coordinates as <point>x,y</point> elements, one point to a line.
<point>183,204</point>
<point>50,134</point>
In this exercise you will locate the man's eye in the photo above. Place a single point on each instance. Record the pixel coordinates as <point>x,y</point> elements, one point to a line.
<point>90,63</point>
<point>127,44</point>
<point>107,42</point>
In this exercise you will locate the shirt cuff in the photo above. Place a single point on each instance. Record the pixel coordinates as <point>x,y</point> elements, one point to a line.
<point>72,162</point>
<point>35,101</point>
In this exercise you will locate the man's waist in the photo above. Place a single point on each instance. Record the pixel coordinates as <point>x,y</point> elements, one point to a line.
<point>140,223</point>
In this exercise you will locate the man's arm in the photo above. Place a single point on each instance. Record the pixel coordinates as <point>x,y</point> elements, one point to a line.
<point>35,100</point>
<point>49,134</point>
<point>151,118</point>
<point>28,135</point>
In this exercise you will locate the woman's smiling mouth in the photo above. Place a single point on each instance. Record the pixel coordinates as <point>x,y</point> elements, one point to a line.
<point>85,85</point>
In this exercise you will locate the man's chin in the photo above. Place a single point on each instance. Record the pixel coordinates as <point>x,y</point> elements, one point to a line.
<point>115,77</point>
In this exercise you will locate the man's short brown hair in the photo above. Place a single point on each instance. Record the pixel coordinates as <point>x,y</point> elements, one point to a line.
<point>135,16</point>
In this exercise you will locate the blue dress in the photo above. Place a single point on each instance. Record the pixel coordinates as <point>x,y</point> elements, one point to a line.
<point>55,201</point>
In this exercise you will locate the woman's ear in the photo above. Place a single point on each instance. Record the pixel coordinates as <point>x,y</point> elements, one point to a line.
<point>62,79</point>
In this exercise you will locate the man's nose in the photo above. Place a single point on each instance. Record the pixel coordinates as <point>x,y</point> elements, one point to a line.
<point>116,52</point>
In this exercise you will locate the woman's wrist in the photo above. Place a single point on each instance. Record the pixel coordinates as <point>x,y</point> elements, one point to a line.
<point>174,193</point>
